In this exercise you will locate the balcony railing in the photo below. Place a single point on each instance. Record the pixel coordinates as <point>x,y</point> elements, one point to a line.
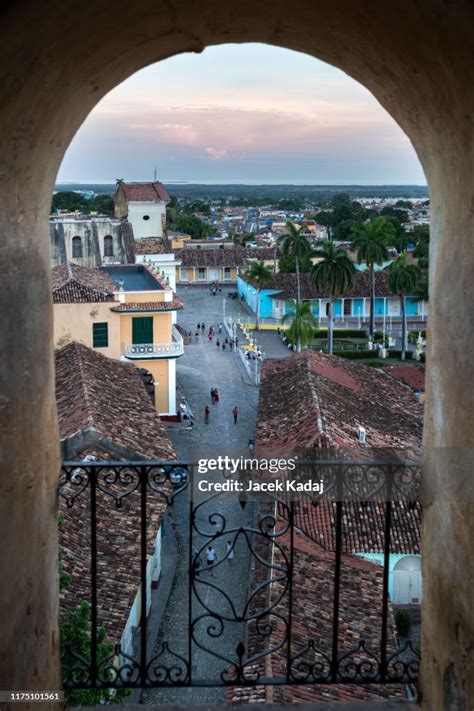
<point>156,350</point>
<point>220,635</point>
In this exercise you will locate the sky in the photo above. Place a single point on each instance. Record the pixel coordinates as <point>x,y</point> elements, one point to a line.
<point>241,113</point>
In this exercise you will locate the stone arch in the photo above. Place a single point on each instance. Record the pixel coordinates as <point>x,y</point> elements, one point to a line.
<point>417,60</point>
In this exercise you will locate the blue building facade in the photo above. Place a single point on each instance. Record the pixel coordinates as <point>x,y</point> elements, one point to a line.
<point>266,304</point>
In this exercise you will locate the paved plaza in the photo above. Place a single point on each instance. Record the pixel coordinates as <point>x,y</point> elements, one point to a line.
<point>202,367</point>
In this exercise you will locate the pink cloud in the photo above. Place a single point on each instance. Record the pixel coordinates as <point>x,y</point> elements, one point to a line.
<point>216,153</point>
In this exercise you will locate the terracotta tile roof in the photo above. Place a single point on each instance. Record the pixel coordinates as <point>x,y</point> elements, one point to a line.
<point>74,284</point>
<point>363,526</point>
<point>285,283</point>
<point>211,257</point>
<point>105,414</point>
<point>150,306</point>
<point>411,375</point>
<point>225,257</point>
<point>361,591</point>
<point>107,399</point>
<point>145,191</point>
<point>153,245</point>
<point>315,400</point>
<point>118,549</point>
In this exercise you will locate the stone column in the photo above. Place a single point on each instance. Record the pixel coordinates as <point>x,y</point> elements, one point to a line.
<point>447,680</point>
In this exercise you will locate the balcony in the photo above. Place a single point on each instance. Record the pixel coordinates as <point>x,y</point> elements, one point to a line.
<point>261,621</point>
<point>145,351</point>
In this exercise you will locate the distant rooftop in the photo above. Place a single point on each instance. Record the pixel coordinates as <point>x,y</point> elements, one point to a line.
<point>133,277</point>
<point>145,192</point>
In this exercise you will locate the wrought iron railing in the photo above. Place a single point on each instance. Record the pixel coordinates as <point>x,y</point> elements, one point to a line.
<point>173,348</point>
<point>234,613</point>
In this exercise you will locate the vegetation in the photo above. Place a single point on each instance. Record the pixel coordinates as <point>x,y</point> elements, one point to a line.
<point>295,244</point>
<point>336,272</point>
<point>180,220</point>
<point>371,242</point>
<point>341,333</point>
<point>403,280</point>
<point>303,323</point>
<point>287,264</point>
<point>260,274</point>
<point>70,201</point>
<point>403,622</point>
<point>343,214</point>
<point>75,639</point>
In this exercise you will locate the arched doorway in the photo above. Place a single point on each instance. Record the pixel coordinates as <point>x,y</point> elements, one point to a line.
<point>407,581</point>
<point>418,63</point>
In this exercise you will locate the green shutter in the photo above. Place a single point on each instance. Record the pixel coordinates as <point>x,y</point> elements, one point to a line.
<point>142,329</point>
<point>100,335</point>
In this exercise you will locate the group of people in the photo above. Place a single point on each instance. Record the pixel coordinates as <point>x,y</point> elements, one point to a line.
<point>215,401</point>
<point>212,557</point>
<point>221,343</point>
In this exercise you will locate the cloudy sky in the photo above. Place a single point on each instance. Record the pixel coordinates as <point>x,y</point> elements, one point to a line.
<point>241,113</point>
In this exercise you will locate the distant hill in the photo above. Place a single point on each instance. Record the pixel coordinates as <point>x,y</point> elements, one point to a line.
<point>273,192</point>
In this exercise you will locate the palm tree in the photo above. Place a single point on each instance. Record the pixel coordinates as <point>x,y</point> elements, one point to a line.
<point>336,272</point>
<point>259,273</point>
<point>297,245</point>
<point>371,242</point>
<point>303,324</point>
<point>403,280</point>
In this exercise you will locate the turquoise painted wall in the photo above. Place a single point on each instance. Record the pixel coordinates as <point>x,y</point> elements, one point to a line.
<point>412,306</point>
<point>393,560</point>
<point>358,307</point>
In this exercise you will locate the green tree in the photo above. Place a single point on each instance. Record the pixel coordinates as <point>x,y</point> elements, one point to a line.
<point>260,274</point>
<point>370,240</point>
<point>403,281</point>
<point>103,204</point>
<point>287,264</point>
<point>336,272</point>
<point>295,244</point>
<point>75,639</point>
<point>391,211</point>
<point>303,324</point>
<point>70,201</point>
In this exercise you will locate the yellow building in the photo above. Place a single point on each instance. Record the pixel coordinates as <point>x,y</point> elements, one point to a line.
<point>126,312</point>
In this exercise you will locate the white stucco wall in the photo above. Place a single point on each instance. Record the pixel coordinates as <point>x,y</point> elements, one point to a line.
<point>152,227</point>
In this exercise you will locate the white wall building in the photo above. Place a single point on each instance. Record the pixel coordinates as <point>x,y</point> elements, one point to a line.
<point>144,205</point>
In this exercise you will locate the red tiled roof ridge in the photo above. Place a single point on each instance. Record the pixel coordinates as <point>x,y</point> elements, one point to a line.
<point>172,305</point>
<point>83,383</point>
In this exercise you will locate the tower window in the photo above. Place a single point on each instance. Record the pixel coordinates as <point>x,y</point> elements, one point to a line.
<point>76,246</point>
<point>146,217</point>
<point>108,246</point>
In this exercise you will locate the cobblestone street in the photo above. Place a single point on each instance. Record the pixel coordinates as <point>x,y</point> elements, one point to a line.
<point>202,367</point>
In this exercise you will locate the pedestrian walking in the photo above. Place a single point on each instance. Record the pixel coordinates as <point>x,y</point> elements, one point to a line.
<point>206,415</point>
<point>198,326</point>
<point>211,558</point>
<point>220,328</point>
<point>235,412</point>
<point>210,338</point>
<point>223,346</point>
<point>229,554</point>
<point>203,328</point>
<point>216,395</point>
<point>218,343</point>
